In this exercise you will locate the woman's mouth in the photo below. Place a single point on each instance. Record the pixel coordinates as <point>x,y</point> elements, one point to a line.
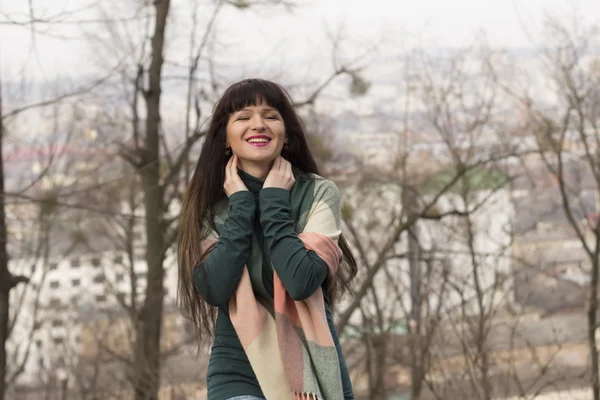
<point>259,141</point>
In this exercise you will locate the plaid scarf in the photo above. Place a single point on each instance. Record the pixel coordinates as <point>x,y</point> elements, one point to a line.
<point>288,343</point>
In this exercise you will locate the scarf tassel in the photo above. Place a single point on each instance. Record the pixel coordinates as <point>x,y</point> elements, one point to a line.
<point>306,396</point>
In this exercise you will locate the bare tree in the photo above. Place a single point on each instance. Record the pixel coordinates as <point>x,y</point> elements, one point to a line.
<point>435,247</point>
<point>568,140</point>
<point>32,207</point>
<point>8,280</point>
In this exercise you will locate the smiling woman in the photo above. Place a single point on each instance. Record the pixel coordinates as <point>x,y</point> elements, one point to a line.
<point>256,135</point>
<point>261,255</point>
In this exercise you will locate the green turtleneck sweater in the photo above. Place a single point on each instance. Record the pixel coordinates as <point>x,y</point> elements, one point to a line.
<point>258,220</point>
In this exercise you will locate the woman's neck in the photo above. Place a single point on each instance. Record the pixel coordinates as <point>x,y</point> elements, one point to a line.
<point>257,170</point>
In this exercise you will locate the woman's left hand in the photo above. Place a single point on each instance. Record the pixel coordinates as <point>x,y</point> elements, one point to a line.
<point>281,175</point>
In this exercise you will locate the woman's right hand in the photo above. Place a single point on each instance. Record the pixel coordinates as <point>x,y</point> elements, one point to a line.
<point>233,182</point>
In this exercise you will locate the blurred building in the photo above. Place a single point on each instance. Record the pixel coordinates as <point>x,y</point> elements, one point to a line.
<point>445,250</point>
<point>551,272</point>
<point>73,308</point>
<point>551,267</point>
<point>86,262</point>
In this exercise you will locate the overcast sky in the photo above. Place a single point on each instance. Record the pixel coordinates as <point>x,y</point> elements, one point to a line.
<point>267,35</point>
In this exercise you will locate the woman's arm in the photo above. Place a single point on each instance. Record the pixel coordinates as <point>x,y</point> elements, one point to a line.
<point>300,271</point>
<point>217,277</point>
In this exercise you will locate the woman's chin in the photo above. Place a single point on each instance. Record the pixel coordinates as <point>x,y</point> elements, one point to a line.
<point>259,159</point>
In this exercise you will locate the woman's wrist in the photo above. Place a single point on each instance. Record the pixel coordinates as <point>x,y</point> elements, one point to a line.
<point>274,191</point>
<point>241,196</point>
<point>243,202</point>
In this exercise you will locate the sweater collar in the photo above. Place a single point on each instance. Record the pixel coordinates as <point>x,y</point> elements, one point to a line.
<point>252,183</point>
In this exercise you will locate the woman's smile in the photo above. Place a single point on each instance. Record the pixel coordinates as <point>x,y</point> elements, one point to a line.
<point>259,140</point>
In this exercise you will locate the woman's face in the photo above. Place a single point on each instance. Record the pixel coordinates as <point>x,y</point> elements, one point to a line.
<point>256,134</point>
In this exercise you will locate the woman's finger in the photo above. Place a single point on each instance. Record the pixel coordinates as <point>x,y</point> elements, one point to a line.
<point>234,165</point>
<point>227,167</point>
<point>277,163</point>
<point>281,164</point>
<point>288,169</point>
<point>235,168</point>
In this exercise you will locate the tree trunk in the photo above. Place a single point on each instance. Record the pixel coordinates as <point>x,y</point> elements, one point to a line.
<point>379,390</point>
<point>592,323</point>
<point>6,279</point>
<point>483,318</point>
<point>148,329</point>
<point>4,307</point>
<point>410,205</point>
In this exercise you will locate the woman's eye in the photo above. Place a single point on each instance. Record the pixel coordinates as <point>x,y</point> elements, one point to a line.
<point>271,117</point>
<point>243,119</point>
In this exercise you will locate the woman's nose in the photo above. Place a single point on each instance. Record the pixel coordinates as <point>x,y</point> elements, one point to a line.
<point>258,123</point>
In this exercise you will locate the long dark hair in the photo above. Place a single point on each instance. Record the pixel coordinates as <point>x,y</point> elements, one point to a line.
<point>205,191</point>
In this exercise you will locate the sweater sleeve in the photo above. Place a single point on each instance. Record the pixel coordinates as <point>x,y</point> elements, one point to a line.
<point>217,277</point>
<point>300,271</point>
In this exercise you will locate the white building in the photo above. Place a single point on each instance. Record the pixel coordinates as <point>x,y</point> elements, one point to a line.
<point>49,311</point>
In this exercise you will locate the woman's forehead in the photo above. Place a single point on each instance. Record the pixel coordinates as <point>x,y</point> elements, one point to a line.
<point>258,107</point>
